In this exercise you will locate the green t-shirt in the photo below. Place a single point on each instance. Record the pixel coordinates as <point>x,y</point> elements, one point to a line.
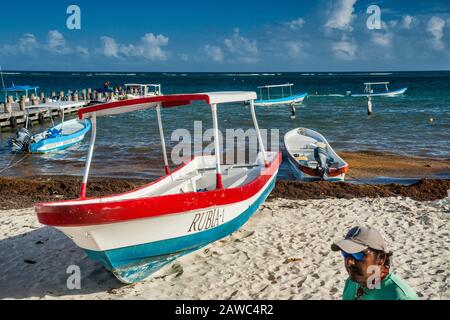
<point>392,288</point>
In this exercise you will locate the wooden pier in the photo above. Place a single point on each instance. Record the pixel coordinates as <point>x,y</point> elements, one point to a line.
<point>13,113</point>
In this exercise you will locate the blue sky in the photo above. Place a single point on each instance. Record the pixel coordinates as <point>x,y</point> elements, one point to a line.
<point>198,35</point>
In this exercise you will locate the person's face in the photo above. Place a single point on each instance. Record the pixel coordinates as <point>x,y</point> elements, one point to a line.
<point>358,270</point>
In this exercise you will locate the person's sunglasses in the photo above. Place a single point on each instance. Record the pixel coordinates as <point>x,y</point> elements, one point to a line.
<point>359,256</point>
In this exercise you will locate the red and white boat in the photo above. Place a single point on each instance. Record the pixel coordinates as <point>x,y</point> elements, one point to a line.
<point>136,233</point>
<point>311,157</point>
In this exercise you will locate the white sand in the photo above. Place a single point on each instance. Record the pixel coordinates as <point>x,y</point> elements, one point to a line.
<point>283,252</point>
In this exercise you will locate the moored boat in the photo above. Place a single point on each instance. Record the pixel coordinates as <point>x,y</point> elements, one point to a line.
<point>136,233</point>
<point>289,99</point>
<point>58,137</point>
<point>369,92</point>
<point>311,157</point>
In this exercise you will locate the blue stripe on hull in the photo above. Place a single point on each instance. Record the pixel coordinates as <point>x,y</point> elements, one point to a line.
<point>134,263</point>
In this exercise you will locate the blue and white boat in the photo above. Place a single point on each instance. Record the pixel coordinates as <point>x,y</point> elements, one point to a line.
<point>369,92</point>
<point>58,137</point>
<point>284,100</point>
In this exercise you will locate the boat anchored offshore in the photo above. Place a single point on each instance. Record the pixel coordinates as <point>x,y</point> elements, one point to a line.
<point>137,90</point>
<point>136,233</point>
<point>288,100</point>
<point>369,92</point>
<point>311,157</point>
<point>58,137</point>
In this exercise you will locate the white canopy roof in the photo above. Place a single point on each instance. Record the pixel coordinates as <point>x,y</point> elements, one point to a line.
<point>57,105</point>
<point>277,86</point>
<point>370,83</point>
<point>166,101</point>
<point>141,85</point>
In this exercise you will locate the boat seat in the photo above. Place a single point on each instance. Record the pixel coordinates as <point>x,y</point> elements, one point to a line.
<point>188,179</point>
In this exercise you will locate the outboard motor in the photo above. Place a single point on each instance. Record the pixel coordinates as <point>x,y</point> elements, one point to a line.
<point>321,156</point>
<point>22,140</point>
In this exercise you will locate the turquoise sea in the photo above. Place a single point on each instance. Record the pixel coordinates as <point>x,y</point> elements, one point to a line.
<point>417,123</point>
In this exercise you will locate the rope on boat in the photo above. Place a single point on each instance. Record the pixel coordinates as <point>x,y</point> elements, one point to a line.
<point>9,165</point>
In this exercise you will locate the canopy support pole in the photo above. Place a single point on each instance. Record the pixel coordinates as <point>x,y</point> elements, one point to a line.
<point>290,89</point>
<point>163,142</point>
<point>89,157</point>
<point>62,120</point>
<point>219,184</point>
<point>258,132</point>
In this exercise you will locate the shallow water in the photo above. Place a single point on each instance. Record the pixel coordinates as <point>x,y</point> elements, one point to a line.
<point>128,145</point>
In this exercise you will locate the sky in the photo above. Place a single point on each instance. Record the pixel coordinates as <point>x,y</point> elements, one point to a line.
<point>226,36</point>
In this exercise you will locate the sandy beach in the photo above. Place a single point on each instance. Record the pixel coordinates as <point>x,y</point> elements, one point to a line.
<point>283,252</point>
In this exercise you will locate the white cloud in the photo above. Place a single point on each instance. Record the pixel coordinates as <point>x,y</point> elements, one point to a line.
<point>407,22</point>
<point>345,49</point>
<point>435,27</point>
<point>27,43</point>
<point>82,51</point>
<point>342,15</point>
<point>382,39</point>
<point>296,24</point>
<point>294,48</point>
<point>56,43</point>
<point>214,53</point>
<point>110,48</point>
<point>149,48</point>
<point>242,49</point>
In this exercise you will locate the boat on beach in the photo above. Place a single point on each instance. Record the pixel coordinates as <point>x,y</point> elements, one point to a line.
<point>285,100</point>
<point>311,157</point>
<point>369,92</point>
<point>136,233</point>
<point>58,137</point>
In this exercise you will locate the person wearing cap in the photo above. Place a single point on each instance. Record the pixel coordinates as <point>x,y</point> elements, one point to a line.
<point>368,262</point>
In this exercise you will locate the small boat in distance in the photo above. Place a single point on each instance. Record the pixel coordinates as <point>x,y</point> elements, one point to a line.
<point>58,137</point>
<point>18,91</point>
<point>136,233</point>
<point>311,157</point>
<point>284,100</point>
<point>137,90</point>
<point>369,92</point>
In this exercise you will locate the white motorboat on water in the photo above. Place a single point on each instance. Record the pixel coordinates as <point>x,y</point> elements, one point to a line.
<point>137,90</point>
<point>369,91</point>
<point>58,137</point>
<point>286,99</point>
<point>311,157</point>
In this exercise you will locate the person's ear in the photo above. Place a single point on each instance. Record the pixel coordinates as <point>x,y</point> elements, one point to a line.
<point>381,259</point>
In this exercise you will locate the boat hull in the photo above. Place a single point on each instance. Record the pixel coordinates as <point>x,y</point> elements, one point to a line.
<point>61,142</point>
<point>135,263</point>
<point>134,236</point>
<point>383,94</point>
<point>288,101</point>
<point>309,173</point>
<point>301,173</point>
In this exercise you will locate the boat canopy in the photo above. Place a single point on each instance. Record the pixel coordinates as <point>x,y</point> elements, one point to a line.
<point>276,86</point>
<point>56,105</point>
<point>142,85</point>
<point>20,88</point>
<point>165,101</point>
<point>375,83</point>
